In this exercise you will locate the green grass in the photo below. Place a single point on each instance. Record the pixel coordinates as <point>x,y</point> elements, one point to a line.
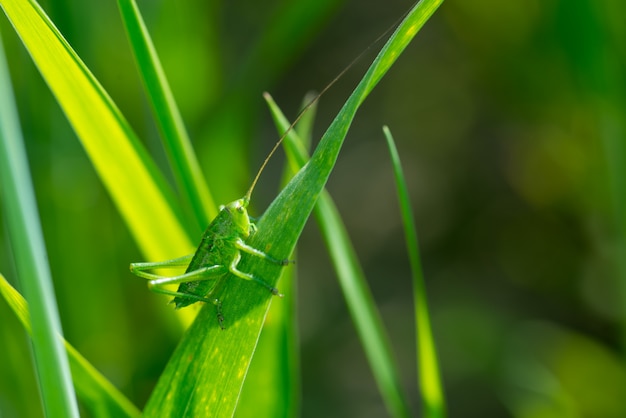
<point>509,119</point>
<point>352,279</point>
<point>428,366</point>
<point>98,394</point>
<point>207,371</point>
<point>22,217</point>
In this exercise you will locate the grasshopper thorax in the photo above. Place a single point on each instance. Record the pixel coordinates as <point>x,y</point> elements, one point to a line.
<point>239,216</point>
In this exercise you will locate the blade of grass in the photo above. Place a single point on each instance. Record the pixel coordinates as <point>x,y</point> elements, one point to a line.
<point>276,363</point>
<point>374,338</point>
<point>191,184</point>
<point>125,168</point>
<point>275,366</point>
<point>22,219</point>
<point>428,367</point>
<point>94,390</point>
<point>206,371</point>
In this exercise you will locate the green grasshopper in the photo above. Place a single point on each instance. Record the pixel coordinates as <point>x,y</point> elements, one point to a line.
<point>222,243</point>
<point>219,251</point>
<point>217,255</point>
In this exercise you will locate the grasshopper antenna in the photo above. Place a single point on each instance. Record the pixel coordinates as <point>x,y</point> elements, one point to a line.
<point>314,100</point>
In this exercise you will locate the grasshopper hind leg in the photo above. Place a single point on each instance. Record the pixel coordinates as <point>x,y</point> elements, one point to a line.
<point>156,283</point>
<point>186,296</point>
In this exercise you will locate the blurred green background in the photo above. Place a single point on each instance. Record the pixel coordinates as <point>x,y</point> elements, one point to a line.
<point>509,118</point>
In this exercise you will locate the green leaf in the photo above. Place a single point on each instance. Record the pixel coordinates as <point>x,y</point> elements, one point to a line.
<point>275,366</point>
<point>427,364</point>
<point>191,183</point>
<point>122,163</point>
<point>94,390</point>
<point>374,338</point>
<point>206,372</point>
<point>22,218</point>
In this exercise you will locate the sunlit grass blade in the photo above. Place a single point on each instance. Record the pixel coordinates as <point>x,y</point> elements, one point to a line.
<point>358,296</point>
<point>427,364</point>
<point>22,219</point>
<point>94,390</point>
<point>191,184</point>
<point>206,372</point>
<point>122,163</point>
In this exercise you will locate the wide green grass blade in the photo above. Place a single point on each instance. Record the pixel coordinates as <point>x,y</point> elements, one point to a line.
<point>272,383</point>
<point>22,219</point>
<point>206,372</point>
<point>191,184</point>
<point>358,295</point>
<point>427,364</point>
<point>94,390</point>
<point>125,168</point>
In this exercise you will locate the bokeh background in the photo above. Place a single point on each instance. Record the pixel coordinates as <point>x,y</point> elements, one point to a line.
<point>509,118</point>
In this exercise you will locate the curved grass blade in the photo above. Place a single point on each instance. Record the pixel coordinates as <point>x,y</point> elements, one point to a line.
<point>206,371</point>
<point>22,219</point>
<point>94,390</point>
<point>122,163</point>
<point>191,184</point>
<point>369,325</point>
<point>428,367</point>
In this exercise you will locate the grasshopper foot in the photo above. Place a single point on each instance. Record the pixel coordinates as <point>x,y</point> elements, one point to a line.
<point>275,292</point>
<point>218,312</point>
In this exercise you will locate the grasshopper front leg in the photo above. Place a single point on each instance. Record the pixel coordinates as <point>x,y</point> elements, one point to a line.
<point>241,245</point>
<point>247,276</point>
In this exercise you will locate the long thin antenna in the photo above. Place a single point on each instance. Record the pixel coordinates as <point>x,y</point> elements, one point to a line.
<point>315,99</point>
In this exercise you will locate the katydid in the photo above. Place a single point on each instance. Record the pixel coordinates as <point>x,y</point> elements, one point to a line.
<point>219,251</point>
<point>217,255</point>
<point>222,243</point>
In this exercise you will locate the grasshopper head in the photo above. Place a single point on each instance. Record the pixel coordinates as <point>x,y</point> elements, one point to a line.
<point>239,216</point>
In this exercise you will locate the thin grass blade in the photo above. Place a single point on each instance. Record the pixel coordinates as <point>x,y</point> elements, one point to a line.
<point>279,373</point>
<point>189,178</point>
<point>122,163</point>
<point>206,372</point>
<point>22,219</point>
<point>276,363</point>
<point>374,338</point>
<point>94,390</point>
<point>428,366</point>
